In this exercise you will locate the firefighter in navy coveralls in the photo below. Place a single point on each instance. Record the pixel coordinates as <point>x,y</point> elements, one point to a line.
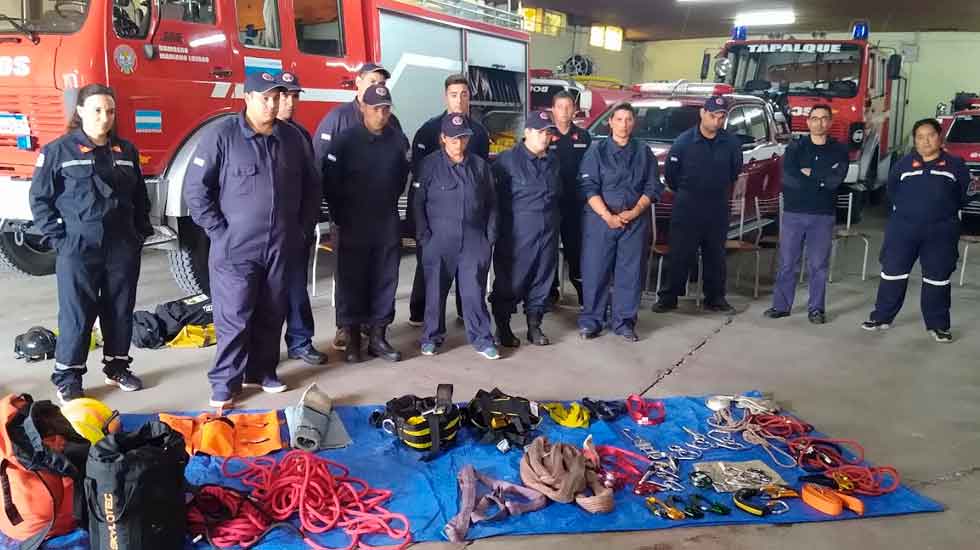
<point>701,168</point>
<point>526,252</point>
<point>456,223</point>
<point>251,188</point>
<point>570,143</point>
<point>299,312</point>
<point>336,121</point>
<point>365,173</point>
<point>927,188</point>
<point>619,181</point>
<point>426,141</point>
<point>89,199</point>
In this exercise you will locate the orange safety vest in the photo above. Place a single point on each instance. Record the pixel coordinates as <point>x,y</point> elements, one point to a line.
<point>245,434</point>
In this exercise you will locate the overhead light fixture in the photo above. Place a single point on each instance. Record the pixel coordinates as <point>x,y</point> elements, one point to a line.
<point>597,36</point>
<point>765,18</point>
<point>614,39</point>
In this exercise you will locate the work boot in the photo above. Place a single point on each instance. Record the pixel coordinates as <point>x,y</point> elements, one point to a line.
<point>504,335</point>
<point>353,352</point>
<point>340,340</point>
<point>378,346</point>
<point>534,334</point>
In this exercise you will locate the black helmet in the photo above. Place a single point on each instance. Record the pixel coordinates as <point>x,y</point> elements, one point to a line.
<point>37,344</point>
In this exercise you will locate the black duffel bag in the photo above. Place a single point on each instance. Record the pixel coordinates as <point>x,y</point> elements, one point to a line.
<point>134,490</point>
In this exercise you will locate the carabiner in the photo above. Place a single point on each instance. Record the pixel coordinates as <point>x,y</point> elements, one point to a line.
<point>725,440</point>
<point>690,509</point>
<point>710,506</point>
<point>663,510</point>
<point>698,441</point>
<point>680,453</point>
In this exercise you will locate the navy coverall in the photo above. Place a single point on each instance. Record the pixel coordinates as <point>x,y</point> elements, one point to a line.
<point>255,196</point>
<point>700,172</point>
<point>526,251</point>
<point>620,176</point>
<point>299,311</point>
<point>91,203</point>
<point>426,141</point>
<point>456,224</point>
<point>336,122</point>
<point>365,174</point>
<point>926,198</point>
<point>571,148</point>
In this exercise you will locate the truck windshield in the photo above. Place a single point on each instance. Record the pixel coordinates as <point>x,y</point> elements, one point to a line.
<point>829,70</point>
<point>659,123</point>
<point>965,129</point>
<point>42,16</point>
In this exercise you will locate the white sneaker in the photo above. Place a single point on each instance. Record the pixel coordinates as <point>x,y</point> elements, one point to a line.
<point>942,336</point>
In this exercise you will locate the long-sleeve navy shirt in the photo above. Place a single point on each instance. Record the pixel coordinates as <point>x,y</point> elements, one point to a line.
<point>929,192</point>
<point>620,175</point>
<point>816,193</point>
<point>701,172</point>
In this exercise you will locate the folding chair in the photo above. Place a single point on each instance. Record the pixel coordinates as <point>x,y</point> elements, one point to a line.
<point>771,208</point>
<point>972,208</point>
<point>659,248</point>
<point>321,229</point>
<point>739,245</point>
<point>844,232</point>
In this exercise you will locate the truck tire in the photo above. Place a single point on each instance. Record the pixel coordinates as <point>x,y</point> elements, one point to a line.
<point>189,263</point>
<point>30,258</point>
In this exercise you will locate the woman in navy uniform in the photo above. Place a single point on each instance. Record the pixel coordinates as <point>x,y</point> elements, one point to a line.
<point>89,199</point>
<point>927,189</point>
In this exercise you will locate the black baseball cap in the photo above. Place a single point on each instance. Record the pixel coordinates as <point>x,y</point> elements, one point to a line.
<point>539,120</point>
<point>455,125</point>
<point>716,103</point>
<point>261,82</point>
<point>373,68</point>
<point>377,95</point>
<point>289,81</point>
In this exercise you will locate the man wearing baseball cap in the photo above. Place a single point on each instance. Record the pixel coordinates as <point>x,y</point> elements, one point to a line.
<point>336,121</point>
<point>526,253</point>
<point>702,165</point>
<point>364,174</point>
<point>252,189</point>
<point>456,224</point>
<point>299,312</point>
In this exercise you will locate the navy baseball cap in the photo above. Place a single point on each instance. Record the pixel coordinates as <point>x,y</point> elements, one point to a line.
<point>455,125</point>
<point>261,82</point>
<point>374,68</point>
<point>539,120</point>
<point>716,103</point>
<point>289,81</point>
<point>377,95</point>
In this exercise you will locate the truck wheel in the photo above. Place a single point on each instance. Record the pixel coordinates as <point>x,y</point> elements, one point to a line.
<point>29,258</point>
<point>189,263</point>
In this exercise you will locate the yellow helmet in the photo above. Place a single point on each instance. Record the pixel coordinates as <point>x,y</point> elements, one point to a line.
<point>91,418</point>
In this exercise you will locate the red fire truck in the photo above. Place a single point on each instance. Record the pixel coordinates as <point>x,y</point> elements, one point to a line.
<point>861,82</point>
<point>179,65</point>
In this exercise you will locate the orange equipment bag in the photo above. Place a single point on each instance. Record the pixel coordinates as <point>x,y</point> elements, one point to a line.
<point>244,435</point>
<point>41,456</point>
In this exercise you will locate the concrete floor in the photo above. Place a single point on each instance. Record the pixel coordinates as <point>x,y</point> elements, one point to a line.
<point>912,403</point>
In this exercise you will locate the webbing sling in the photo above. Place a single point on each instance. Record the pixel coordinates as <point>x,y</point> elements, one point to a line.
<point>521,501</point>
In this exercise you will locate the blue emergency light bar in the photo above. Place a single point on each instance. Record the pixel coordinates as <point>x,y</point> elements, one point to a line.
<point>740,33</point>
<point>860,30</point>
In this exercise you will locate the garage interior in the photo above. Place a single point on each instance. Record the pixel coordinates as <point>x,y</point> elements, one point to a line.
<point>911,402</point>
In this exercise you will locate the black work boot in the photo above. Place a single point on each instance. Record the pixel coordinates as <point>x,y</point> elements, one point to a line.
<point>353,352</point>
<point>534,334</point>
<point>378,346</point>
<point>504,335</point>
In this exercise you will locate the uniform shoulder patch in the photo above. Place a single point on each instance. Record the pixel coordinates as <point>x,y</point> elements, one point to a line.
<point>40,160</point>
<point>198,161</point>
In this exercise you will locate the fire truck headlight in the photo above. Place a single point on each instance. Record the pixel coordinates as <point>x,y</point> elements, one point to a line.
<point>856,135</point>
<point>722,67</point>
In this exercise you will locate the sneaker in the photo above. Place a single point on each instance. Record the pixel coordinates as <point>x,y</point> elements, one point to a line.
<point>117,374</point>
<point>309,355</point>
<point>340,340</point>
<point>219,402</point>
<point>817,317</point>
<point>720,307</point>
<point>589,333</point>
<point>872,325</point>
<point>663,306</point>
<point>271,385</point>
<point>942,336</point>
<point>773,313</point>
<point>629,334</point>
<point>416,324</point>
<point>70,391</point>
<point>429,348</point>
<point>490,352</point>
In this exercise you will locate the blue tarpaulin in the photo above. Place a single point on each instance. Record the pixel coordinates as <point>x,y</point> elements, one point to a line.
<point>426,492</point>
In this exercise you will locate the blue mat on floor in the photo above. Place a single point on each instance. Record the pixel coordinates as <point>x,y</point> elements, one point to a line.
<point>426,492</point>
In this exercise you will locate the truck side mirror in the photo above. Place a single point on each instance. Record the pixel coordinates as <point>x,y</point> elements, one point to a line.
<point>705,65</point>
<point>585,101</point>
<point>894,67</point>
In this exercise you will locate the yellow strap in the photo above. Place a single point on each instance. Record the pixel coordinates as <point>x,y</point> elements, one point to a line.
<point>576,416</point>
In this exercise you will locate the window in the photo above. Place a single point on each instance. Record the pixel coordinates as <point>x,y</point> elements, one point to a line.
<point>131,19</point>
<point>258,23</point>
<point>191,11</point>
<point>319,27</point>
<point>544,21</point>
<point>658,123</point>
<point>965,129</point>
<point>749,124</point>
<point>43,16</point>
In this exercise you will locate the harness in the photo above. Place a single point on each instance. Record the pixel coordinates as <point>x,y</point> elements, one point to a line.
<point>422,423</point>
<point>505,420</point>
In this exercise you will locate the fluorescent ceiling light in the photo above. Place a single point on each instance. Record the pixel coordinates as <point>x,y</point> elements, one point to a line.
<point>597,36</point>
<point>765,18</point>
<point>614,39</point>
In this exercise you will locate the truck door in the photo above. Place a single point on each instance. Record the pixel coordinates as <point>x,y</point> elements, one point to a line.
<point>165,56</point>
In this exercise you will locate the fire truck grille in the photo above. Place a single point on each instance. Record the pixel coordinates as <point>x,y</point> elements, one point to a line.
<point>46,117</point>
